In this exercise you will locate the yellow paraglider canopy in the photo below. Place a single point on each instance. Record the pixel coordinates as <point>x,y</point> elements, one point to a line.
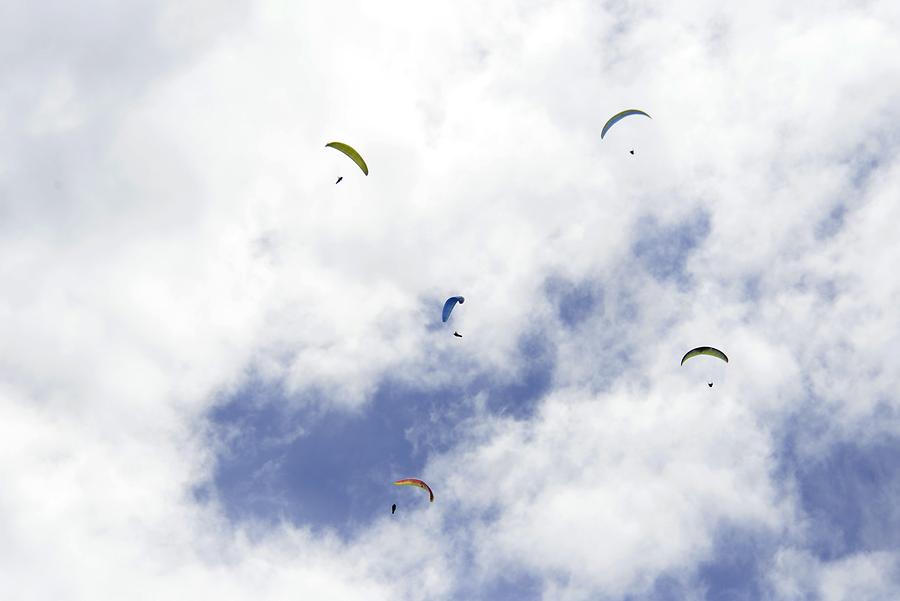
<point>350,152</point>
<point>704,350</point>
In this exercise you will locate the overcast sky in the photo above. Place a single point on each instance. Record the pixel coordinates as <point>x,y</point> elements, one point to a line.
<point>215,361</point>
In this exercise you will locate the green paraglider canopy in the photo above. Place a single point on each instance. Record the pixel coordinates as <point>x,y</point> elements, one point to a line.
<point>350,152</point>
<point>704,350</point>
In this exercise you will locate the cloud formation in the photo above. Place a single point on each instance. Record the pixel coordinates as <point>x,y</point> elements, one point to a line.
<point>216,359</point>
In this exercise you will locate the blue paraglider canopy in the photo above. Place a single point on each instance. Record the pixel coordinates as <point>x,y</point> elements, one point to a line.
<point>448,306</point>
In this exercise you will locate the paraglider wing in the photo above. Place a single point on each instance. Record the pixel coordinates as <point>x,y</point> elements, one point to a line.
<point>350,152</point>
<point>416,482</point>
<point>704,350</point>
<point>448,306</point>
<point>618,117</point>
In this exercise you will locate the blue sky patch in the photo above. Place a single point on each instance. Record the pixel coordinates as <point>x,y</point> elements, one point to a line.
<point>850,497</point>
<point>737,570</point>
<point>334,469</point>
<point>574,301</point>
<point>832,223</point>
<point>663,249</point>
<point>665,588</point>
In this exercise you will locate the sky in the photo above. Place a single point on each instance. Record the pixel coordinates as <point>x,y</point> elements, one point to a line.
<point>215,361</point>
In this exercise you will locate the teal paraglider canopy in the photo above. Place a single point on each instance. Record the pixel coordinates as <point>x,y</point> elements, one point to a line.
<point>448,306</point>
<point>619,116</point>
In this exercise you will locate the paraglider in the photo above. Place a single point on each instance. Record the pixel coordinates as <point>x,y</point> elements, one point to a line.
<point>350,152</point>
<point>618,117</point>
<point>393,508</point>
<point>705,350</point>
<point>418,483</point>
<point>631,151</point>
<point>448,306</point>
<point>339,180</point>
<point>457,334</point>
